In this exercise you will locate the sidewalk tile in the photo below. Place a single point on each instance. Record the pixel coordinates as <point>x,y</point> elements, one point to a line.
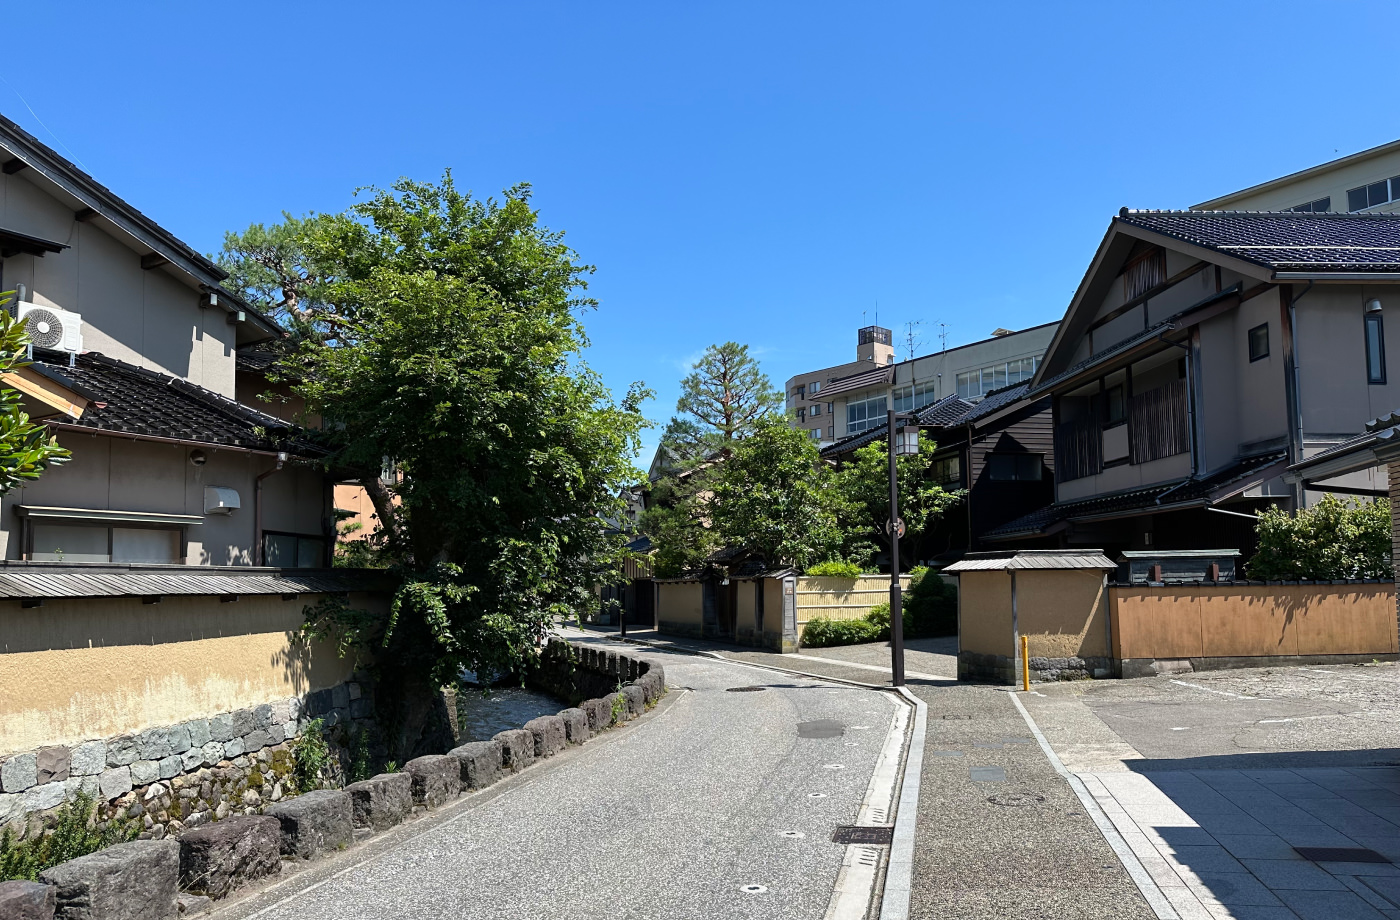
<point>1364,869</point>
<point>1367,893</point>
<point>1235,888</point>
<point>1200,859</point>
<point>1252,912</point>
<point>1159,815</point>
<point>1362,826</point>
<point>1388,846</point>
<point>1236,824</point>
<point>1188,906</point>
<point>1281,874</point>
<point>1387,888</point>
<point>1286,814</point>
<point>1257,846</point>
<point>1311,835</point>
<point>1329,905</point>
<point>1273,777</point>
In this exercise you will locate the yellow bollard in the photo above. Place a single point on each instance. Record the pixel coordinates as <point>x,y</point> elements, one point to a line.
<point>1025,664</point>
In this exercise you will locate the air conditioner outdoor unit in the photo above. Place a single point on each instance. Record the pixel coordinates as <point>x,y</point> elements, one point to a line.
<point>50,327</point>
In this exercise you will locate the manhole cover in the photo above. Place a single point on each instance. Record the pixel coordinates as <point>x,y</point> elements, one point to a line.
<point>878,836</point>
<point>744,689</point>
<point>821,728</point>
<point>1340,854</point>
<point>1016,799</point>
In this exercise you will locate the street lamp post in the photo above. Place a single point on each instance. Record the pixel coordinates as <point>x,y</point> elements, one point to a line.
<point>902,442</point>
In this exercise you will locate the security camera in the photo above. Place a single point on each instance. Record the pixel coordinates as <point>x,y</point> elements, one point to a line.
<point>198,457</point>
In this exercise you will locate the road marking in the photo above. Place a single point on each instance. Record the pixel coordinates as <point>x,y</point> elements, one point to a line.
<point>1272,721</point>
<point>917,675</point>
<point>1136,871</point>
<point>855,884</point>
<point>1182,728</point>
<point>1213,690</point>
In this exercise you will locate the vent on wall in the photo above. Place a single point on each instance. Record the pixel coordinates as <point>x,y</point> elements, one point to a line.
<point>220,500</point>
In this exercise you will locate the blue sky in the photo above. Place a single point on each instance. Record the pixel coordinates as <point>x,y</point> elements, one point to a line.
<point>763,172</point>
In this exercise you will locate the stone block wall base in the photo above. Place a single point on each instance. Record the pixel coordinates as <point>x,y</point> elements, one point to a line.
<point>1157,667</point>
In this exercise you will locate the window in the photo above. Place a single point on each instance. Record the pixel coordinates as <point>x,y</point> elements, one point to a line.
<point>801,414</point>
<point>831,432</point>
<point>1320,205</point>
<point>868,413</point>
<point>830,408</point>
<point>816,409</point>
<point>1015,467</point>
<point>87,543</point>
<point>1115,406</point>
<point>293,551</point>
<point>973,384</point>
<point>1368,196</point>
<point>1375,349</point>
<point>1259,342</point>
<point>816,434</point>
<point>915,396</point>
<point>800,392</point>
<point>815,388</point>
<point>1144,273</point>
<point>947,471</point>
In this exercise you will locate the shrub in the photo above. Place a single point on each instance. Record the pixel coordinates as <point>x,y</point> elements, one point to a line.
<point>835,569</point>
<point>930,606</point>
<point>822,632</point>
<point>70,837</point>
<point>311,756</point>
<point>1333,539</point>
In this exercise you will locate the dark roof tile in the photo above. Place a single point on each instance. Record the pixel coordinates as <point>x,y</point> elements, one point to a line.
<point>1285,240</point>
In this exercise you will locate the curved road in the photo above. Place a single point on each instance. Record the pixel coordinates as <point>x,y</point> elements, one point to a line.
<point>672,816</point>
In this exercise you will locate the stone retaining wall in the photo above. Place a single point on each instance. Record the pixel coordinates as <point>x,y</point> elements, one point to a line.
<point>178,776</point>
<point>210,852</point>
<point>579,672</point>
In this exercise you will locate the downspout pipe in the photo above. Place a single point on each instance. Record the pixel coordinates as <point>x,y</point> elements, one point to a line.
<point>1296,410</point>
<point>257,509</point>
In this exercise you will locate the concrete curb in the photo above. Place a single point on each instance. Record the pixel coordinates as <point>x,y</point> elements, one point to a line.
<point>1156,900</point>
<point>899,875</point>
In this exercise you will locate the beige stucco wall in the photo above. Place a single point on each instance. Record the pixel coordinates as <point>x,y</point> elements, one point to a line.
<point>680,603</point>
<point>1253,621</point>
<point>110,473</point>
<point>148,318</point>
<point>79,669</point>
<point>1061,613</point>
<point>984,613</point>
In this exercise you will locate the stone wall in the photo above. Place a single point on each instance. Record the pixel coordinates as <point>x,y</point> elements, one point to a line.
<point>183,775</point>
<point>1004,669</point>
<point>579,672</point>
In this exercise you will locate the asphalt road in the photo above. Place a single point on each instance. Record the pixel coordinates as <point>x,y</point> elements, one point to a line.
<point>672,816</point>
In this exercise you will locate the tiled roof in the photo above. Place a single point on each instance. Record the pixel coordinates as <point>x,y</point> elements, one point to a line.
<point>997,399</point>
<point>1033,559</point>
<point>138,401</point>
<point>945,413</point>
<point>1285,241</point>
<point>1181,492</point>
<point>38,580</point>
<point>870,378</point>
<point>258,357</point>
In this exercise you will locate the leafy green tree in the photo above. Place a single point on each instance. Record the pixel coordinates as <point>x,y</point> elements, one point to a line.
<point>1333,539</point>
<point>447,338</point>
<point>772,495</point>
<point>864,488</point>
<point>27,448</point>
<point>726,397</point>
<point>271,268</point>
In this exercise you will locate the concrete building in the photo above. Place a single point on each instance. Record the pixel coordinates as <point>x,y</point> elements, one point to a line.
<point>968,371</point>
<point>1366,182</point>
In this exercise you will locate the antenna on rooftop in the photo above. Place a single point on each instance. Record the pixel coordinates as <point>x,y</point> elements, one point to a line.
<point>943,334</point>
<point>910,337</point>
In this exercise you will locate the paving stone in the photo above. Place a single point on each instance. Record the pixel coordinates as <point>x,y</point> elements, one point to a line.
<point>114,782</point>
<point>220,857</point>
<point>481,763</point>
<point>437,779</point>
<point>549,734</point>
<point>19,773</point>
<point>314,823</point>
<point>52,764</point>
<point>129,881</point>
<point>26,901</point>
<point>88,759</point>
<point>517,749</point>
<point>38,798</point>
<point>144,772</point>
<point>221,727</point>
<point>154,743</point>
<point>382,801</point>
<point>575,725</point>
<point>122,751</point>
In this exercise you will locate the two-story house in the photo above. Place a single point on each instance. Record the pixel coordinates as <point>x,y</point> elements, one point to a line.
<point>136,373</point>
<point>1203,352</point>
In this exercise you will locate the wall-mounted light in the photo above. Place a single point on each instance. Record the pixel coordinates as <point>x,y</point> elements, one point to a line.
<point>1373,305</point>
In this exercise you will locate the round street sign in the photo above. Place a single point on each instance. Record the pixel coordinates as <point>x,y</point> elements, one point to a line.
<point>898,527</point>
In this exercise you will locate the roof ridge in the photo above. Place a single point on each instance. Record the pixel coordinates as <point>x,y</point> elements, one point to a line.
<point>1300,215</point>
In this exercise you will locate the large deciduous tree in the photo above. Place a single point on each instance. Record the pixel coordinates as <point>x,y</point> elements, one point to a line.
<point>445,335</point>
<point>864,487</point>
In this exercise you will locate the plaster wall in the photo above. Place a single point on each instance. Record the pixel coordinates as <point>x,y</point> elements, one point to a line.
<point>1062,613</point>
<point>680,606</point>
<point>91,668</point>
<point>984,614</point>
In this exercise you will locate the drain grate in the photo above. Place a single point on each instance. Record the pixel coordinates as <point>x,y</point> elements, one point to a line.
<point>961,718</point>
<point>1016,799</point>
<point>876,836</point>
<point>744,689</point>
<point>1340,854</point>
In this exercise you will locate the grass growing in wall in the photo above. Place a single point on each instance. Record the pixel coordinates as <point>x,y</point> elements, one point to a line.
<point>73,834</point>
<point>311,756</point>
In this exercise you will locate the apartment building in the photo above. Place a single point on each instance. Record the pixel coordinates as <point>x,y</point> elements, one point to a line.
<point>837,402</point>
<point>1366,182</point>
